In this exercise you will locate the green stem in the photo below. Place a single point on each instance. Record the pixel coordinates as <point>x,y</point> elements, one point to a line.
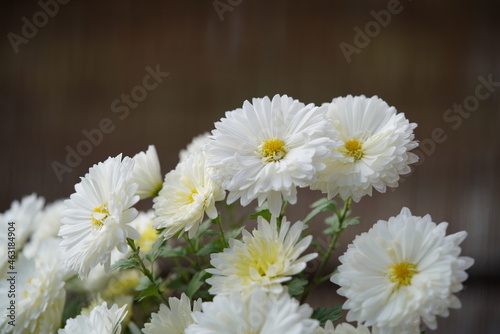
<point>217,222</point>
<point>318,279</point>
<point>145,270</point>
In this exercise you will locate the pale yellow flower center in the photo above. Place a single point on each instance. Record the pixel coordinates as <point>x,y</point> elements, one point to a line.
<point>98,216</point>
<point>272,149</point>
<point>147,239</point>
<point>261,254</point>
<point>402,273</point>
<point>190,197</point>
<point>353,148</point>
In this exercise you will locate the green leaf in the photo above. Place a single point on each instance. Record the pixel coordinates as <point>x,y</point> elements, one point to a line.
<point>350,222</point>
<point>296,286</point>
<point>203,228</point>
<point>210,233</point>
<point>266,214</point>
<point>195,283</point>
<point>150,290</point>
<point>333,224</point>
<point>156,250</point>
<point>320,205</point>
<point>235,233</point>
<point>323,314</point>
<point>212,247</point>
<point>168,251</point>
<point>125,264</point>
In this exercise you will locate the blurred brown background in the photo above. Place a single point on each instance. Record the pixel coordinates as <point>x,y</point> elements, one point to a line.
<point>65,76</point>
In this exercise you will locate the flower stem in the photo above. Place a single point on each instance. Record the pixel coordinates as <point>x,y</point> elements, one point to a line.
<point>145,270</point>
<point>318,279</point>
<point>217,222</point>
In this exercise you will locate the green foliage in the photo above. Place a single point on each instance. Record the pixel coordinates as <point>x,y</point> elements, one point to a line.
<point>323,314</point>
<point>212,247</point>
<point>123,264</point>
<point>320,205</point>
<point>266,214</point>
<point>196,283</point>
<point>296,286</point>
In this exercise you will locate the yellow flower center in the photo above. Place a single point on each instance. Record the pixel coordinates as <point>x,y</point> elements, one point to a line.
<point>190,197</point>
<point>353,148</point>
<point>272,149</point>
<point>402,273</point>
<point>98,216</point>
<point>263,257</point>
<point>147,239</point>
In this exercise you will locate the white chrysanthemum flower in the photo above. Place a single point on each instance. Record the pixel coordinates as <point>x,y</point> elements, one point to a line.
<point>39,291</point>
<point>97,216</point>
<point>375,148</point>
<point>195,146</point>
<point>188,193</point>
<point>174,319</point>
<point>147,173</point>
<point>269,148</point>
<point>266,258</point>
<point>257,313</point>
<point>343,328</point>
<point>47,227</point>
<point>24,216</point>
<point>99,320</point>
<point>400,272</point>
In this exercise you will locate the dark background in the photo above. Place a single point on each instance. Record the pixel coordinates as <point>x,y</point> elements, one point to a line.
<point>427,58</point>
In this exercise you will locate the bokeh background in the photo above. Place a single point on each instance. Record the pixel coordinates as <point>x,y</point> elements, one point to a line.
<point>427,58</point>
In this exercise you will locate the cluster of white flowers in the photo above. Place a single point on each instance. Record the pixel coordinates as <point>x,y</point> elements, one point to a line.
<point>396,278</point>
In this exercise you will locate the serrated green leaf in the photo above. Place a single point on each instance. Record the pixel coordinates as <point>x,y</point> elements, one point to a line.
<point>266,214</point>
<point>235,232</point>
<point>151,290</point>
<point>333,224</point>
<point>323,314</point>
<point>320,205</point>
<point>350,222</point>
<point>123,264</point>
<point>168,251</point>
<point>196,283</point>
<point>296,286</point>
<point>212,247</point>
<point>156,250</point>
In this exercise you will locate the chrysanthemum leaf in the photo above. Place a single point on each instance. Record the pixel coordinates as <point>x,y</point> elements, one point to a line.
<point>150,290</point>
<point>320,205</point>
<point>212,247</point>
<point>196,283</point>
<point>350,222</point>
<point>333,224</point>
<point>123,264</point>
<point>296,286</point>
<point>168,251</point>
<point>323,314</point>
<point>266,214</point>
<point>156,250</point>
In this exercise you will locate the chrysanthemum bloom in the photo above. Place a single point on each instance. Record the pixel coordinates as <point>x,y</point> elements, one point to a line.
<point>188,193</point>
<point>147,173</point>
<point>375,148</point>
<point>266,258</point>
<point>174,319</point>
<point>343,328</point>
<point>269,148</point>
<point>99,320</point>
<point>23,217</point>
<point>195,146</point>
<point>256,313</point>
<point>97,216</point>
<point>39,292</point>
<point>400,272</point>
<point>144,226</point>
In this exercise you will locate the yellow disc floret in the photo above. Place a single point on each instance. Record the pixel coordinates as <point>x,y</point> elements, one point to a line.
<point>402,273</point>
<point>272,149</point>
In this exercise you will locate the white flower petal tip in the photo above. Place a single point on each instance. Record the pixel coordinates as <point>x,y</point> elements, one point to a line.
<point>402,272</point>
